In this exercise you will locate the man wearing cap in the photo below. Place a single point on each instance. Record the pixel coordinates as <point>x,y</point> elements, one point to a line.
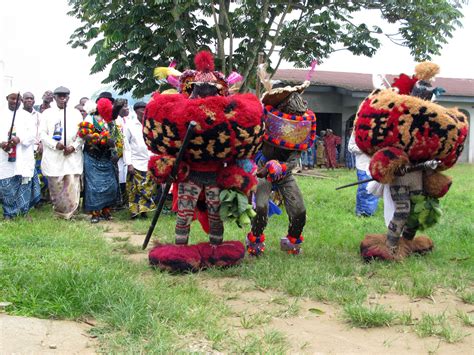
<point>17,191</point>
<point>140,186</point>
<point>47,99</point>
<point>62,160</point>
<point>139,108</point>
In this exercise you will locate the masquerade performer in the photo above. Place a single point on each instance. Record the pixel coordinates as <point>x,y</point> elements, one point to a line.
<point>290,128</point>
<point>410,140</point>
<point>227,134</point>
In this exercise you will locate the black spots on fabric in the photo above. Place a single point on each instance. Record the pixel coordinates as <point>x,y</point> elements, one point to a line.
<point>389,154</point>
<point>391,104</point>
<point>209,120</point>
<point>364,127</point>
<point>249,137</point>
<point>230,107</point>
<point>450,127</point>
<point>375,101</point>
<point>433,114</point>
<point>375,92</point>
<point>406,112</point>
<point>422,109</point>
<point>212,147</point>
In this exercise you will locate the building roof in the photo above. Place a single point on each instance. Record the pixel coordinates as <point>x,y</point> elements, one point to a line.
<point>363,82</point>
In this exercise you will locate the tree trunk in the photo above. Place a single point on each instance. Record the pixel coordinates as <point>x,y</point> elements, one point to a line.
<point>253,53</point>
<point>220,38</point>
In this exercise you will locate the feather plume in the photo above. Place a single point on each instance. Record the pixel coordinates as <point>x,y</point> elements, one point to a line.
<point>234,77</point>
<point>172,81</point>
<point>263,76</point>
<point>162,73</point>
<point>204,61</point>
<point>311,71</point>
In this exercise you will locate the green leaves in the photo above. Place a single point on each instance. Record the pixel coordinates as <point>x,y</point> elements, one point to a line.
<point>235,207</point>
<point>424,213</point>
<point>151,33</point>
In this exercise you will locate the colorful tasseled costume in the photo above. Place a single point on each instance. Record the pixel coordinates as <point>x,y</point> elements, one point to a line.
<point>289,129</point>
<point>229,131</point>
<point>400,131</point>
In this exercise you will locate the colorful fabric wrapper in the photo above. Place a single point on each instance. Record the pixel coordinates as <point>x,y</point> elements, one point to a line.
<point>18,198</point>
<point>65,194</point>
<point>141,190</point>
<point>101,187</point>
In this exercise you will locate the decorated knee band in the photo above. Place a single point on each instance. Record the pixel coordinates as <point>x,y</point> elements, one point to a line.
<point>255,245</point>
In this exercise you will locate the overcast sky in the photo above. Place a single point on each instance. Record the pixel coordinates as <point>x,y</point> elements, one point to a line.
<point>34,35</point>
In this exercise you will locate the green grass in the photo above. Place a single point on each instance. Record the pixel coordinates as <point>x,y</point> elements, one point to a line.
<point>56,269</point>
<point>466,318</point>
<point>368,317</point>
<point>331,269</point>
<point>437,325</point>
<point>467,297</point>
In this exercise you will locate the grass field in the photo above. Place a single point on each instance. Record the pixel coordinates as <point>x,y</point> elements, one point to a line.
<point>51,268</point>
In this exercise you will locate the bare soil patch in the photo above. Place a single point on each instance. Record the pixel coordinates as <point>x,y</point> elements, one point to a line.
<point>23,335</point>
<point>315,327</point>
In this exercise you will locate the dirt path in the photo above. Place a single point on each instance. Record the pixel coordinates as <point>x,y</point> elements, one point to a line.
<point>318,328</point>
<point>22,335</point>
<point>311,327</point>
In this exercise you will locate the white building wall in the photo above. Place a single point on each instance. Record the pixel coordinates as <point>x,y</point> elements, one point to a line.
<point>335,102</point>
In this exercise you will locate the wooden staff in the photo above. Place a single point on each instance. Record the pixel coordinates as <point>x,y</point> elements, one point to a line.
<point>169,181</point>
<point>65,125</point>
<point>427,165</point>
<point>10,133</point>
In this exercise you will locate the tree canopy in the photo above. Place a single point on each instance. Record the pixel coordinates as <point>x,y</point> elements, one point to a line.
<point>134,36</point>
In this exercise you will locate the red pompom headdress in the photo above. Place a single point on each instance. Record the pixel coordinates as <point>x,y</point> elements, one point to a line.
<point>104,108</point>
<point>204,73</point>
<point>404,83</point>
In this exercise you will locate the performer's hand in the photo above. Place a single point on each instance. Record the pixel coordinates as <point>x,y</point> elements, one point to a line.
<point>131,170</point>
<point>5,146</point>
<point>60,146</point>
<point>262,172</point>
<point>14,141</point>
<point>69,150</point>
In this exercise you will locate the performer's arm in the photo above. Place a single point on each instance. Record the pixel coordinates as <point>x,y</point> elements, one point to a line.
<point>352,146</point>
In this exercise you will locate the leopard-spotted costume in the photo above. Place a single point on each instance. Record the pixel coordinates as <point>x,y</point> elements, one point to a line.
<point>400,130</point>
<point>229,131</point>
